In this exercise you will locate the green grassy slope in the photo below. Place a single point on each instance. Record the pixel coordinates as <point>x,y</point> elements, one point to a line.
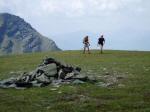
<point>133,97</point>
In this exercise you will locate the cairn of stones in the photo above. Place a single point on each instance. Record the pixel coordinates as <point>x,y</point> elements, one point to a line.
<point>49,72</point>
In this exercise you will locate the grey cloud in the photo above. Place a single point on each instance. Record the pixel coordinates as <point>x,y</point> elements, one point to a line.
<point>56,17</point>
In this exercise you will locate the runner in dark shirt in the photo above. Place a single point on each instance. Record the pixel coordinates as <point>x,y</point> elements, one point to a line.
<point>101,42</point>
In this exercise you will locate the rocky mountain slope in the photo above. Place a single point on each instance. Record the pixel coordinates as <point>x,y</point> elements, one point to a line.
<point>18,36</point>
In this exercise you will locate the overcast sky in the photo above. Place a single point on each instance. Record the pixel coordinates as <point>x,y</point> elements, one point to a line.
<point>124,23</point>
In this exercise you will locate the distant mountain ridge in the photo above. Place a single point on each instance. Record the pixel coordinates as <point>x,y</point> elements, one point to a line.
<point>18,36</point>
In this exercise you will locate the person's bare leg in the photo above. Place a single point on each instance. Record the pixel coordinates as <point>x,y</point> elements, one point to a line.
<point>84,50</point>
<point>101,49</point>
<point>88,50</point>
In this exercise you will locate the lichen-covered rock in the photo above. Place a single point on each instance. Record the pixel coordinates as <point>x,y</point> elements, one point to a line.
<point>43,79</point>
<point>49,70</point>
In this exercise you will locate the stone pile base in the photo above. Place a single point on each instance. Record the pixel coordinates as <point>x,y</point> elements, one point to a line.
<point>49,72</point>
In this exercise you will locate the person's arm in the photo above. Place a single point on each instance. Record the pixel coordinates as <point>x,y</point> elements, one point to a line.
<point>104,41</point>
<point>83,41</point>
<point>88,42</point>
<point>98,42</point>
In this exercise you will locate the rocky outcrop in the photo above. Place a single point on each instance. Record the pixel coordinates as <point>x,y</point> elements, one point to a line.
<point>18,36</point>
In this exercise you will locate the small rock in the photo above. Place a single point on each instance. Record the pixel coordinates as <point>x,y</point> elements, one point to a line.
<point>43,79</point>
<point>56,82</point>
<point>107,73</point>
<point>69,75</point>
<point>120,77</point>
<point>77,81</point>
<point>12,86</point>
<point>48,107</point>
<point>56,86</point>
<point>121,85</point>
<point>104,69</point>
<point>59,92</point>
<point>101,84</point>
<point>53,89</point>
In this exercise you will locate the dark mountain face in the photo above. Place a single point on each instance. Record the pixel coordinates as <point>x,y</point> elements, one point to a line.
<point>17,36</point>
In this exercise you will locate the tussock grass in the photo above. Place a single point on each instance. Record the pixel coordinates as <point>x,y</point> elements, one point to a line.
<point>133,97</point>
